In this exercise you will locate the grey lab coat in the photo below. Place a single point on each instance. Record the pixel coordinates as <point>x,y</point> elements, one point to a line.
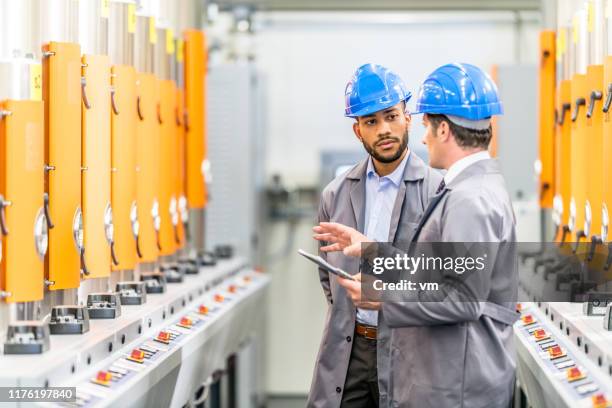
<point>343,201</point>
<point>454,354</point>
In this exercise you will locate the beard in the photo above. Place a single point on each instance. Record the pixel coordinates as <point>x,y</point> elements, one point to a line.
<point>403,143</point>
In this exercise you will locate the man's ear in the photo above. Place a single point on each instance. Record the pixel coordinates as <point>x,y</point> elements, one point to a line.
<point>357,131</point>
<point>443,132</point>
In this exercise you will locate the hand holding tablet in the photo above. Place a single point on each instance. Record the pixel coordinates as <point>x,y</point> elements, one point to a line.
<point>325,265</point>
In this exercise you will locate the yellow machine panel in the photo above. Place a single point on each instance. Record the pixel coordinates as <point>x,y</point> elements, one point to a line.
<point>62,96</point>
<point>564,151</point>
<point>546,123</point>
<point>147,165</point>
<point>607,140</point>
<point>123,164</point>
<point>578,156</point>
<point>195,71</point>
<point>167,166</point>
<point>180,165</point>
<point>21,204</point>
<point>594,145</point>
<point>96,162</point>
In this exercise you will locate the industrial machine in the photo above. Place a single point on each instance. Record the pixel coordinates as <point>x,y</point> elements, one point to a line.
<point>564,337</point>
<point>105,281</point>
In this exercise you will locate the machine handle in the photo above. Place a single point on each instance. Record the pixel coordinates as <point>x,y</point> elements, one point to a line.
<point>157,241</point>
<point>579,102</point>
<point>566,107</point>
<point>186,120</point>
<point>47,212</point>
<point>114,254</point>
<point>177,117</point>
<point>159,118</point>
<point>138,251</point>
<point>606,106</point>
<point>3,205</point>
<point>176,235</point>
<point>138,108</point>
<point>84,93</point>
<point>609,260</point>
<point>113,102</point>
<point>579,235</point>
<point>594,242</point>
<point>595,96</point>
<point>83,263</point>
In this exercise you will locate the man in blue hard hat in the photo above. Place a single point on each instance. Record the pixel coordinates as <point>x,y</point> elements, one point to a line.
<point>456,351</point>
<point>383,196</point>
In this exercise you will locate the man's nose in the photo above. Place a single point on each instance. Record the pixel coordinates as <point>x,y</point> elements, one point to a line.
<point>384,129</point>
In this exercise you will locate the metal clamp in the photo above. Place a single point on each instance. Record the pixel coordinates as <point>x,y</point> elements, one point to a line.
<point>84,93</point>
<point>594,242</point>
<point>3,204</point>
<point>46,210</point>
<point>566,107</point>
<point>579,102</point>
<point>113,102</point>
<point>138,108</point>
<point>565,230</point>
<point>595,96</point>
<point>579,235</point>
<point>606,106</point>
<point>138,251</point>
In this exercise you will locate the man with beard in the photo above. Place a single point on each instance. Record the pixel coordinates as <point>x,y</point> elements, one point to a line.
<point>383,196</point>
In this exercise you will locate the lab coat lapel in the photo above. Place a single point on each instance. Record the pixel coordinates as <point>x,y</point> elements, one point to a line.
<point>432,206</point>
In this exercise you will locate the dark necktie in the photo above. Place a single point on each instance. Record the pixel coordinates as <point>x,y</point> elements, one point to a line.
<point>441,187</point>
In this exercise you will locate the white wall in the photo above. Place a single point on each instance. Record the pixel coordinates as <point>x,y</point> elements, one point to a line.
<point>307,59</point>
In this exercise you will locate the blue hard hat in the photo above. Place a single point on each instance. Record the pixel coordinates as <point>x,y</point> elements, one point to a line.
<point>371,89</point>
<point>462,90</point>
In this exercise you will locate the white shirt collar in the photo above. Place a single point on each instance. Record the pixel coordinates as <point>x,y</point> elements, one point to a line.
<point>457,167</point>
<point>396,176</point>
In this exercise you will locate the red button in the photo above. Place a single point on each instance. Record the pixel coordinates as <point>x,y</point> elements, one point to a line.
<point>540,334</point>
<point>555,352</point>
<point>574,374</point>
<point>137,354</point>
<point>219,298</point>
<point>527,320</point>
<point>599,401</point>
<point>185,321</point>
<point>104,376</point>
<point>203,310</point>
<point>231,288</point>
<point>163,335</point>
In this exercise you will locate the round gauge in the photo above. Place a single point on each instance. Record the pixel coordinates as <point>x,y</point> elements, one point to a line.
<point>77,229</point>
<point>41,234</point>
<point>134,219</point>
<point>587,218</point>
<point>109,228</point>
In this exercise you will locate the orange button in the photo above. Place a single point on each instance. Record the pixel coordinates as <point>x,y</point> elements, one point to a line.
<point>104,376</point>
<point>555,352</point>
<point>527,320</point>
<point>231,289</point>
<point>247,278</point>
<point>259,269</point>
<point>519,307</point>
<point>186,322</point>
<point>203,310</point>
<point>219,298</point>
<point>137,355</point>
<point>599,401</point>
<point>540,334</point>
<point>574,374</point>
<point>163,336</point>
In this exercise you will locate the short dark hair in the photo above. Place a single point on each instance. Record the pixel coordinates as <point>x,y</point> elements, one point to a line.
<point>465,137</point>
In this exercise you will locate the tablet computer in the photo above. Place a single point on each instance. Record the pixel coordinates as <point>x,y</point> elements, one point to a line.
<point>325,265</point>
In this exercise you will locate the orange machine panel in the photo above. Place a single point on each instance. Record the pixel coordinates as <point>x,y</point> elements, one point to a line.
<point>123,164</point>
<point>594,144</point>
<point>547,77</point>
<point>22,188</point>
<point>195,102</point>
<point>62,96</point>
<point>96,162</point>
<point>578,155</point>
<point>564,148</point>
<point>180,166</point>
<point>607,141</point>
<point>167,166</point>
<point>147,167</point>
